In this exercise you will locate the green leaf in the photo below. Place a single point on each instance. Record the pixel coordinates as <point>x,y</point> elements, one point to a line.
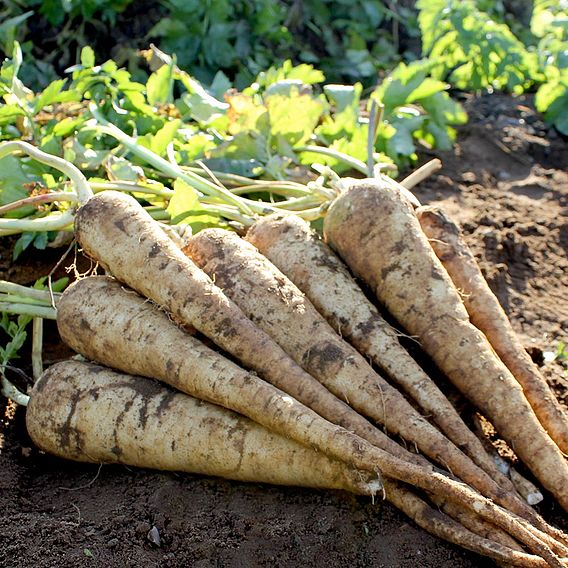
<point>87,57</point>
<point>552,100</point>
<point>54,93</point>
<point>159,141</point>
<point>85,158</point>
<point>246,115</point>
<point>22,244</point>
<point>203,107</point>
<point>402,143</point>
<point>220,85</point>
<point>185,208</point>
<point>195,147</point>
<point>9,113</point>
<point>159,88</point>
<point>304,73</point>
<point>12,180</point>
<point>165,136</point>
<point>472,48</point>
<point>68,125</point>
<point>246,168</point>
<point>9,29</point>
<point>343,96</point>
<point>295,117</point>
<point>120,169</point>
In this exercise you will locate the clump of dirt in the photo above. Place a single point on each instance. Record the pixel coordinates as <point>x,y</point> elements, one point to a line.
<point>505,184</point>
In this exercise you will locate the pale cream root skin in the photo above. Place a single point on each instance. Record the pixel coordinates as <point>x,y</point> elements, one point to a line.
<point>94,311</point>
<point>295,249</point>
<point>279,308</point>
<point>116,231</point>
<point>89,413</point>
<point>488,316</point>
<point>86,412</point>
<point>377,233</point>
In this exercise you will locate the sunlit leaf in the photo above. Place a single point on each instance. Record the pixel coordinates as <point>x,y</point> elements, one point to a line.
<point>185,208</point>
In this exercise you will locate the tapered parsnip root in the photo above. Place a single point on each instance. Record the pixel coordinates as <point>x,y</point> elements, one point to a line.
<point>116,231</point>
<point>85,412</point>
<point>88,413</point>
<point>290,244</point>
<point>487,315</point>
<point>378,235</point>
<point>526,488</point>
<point>478,537</point>
<point>94,311</point>
<point>475,524</point>
<point>280,309</point>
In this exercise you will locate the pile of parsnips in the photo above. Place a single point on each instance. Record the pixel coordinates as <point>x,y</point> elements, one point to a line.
<point>304,406</point>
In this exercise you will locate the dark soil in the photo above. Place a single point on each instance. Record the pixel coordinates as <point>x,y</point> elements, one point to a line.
<point>505,184</point>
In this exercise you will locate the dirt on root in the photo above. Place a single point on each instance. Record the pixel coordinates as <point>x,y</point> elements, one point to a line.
<point>506,185</point>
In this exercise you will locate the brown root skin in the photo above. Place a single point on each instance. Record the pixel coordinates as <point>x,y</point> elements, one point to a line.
<point>291,245</point>
<point>116,231</point>
<point>487,315</point>
<point>85,412</point>
<point>88,413</point>
<point>282,311</point>
<point>378,235</point>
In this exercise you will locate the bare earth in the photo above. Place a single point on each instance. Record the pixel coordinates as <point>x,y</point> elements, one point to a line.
<point>506,185</point>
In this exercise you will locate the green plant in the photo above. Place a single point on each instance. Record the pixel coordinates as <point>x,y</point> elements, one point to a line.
<point>550,24</point>
<point>348,40</point>
<point>132,136</point>
<point>19,306</point>
<point>474,51</point>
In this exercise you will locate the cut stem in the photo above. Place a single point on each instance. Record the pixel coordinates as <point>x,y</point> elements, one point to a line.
<point>421,173</point>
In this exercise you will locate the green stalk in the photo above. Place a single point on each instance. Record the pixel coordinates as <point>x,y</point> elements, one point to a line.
<point>228,212</point>
<point>311,214</point>
<point>28,310</point>
<point>278,188</point>
<point>13,298</point>
<point>79,181</point>
<point>131,187</point>
<point>243,184</point>
<point>25,292</point>
<point>299,203</point>
<point>11,392</point>
<point>55,221</point>
<point>37,346</point>
<point>37,199</point>
<point>354,163</point>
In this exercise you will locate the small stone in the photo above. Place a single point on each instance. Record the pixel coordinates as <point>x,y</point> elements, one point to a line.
<point>112,543</point>
<point>154,536</point>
